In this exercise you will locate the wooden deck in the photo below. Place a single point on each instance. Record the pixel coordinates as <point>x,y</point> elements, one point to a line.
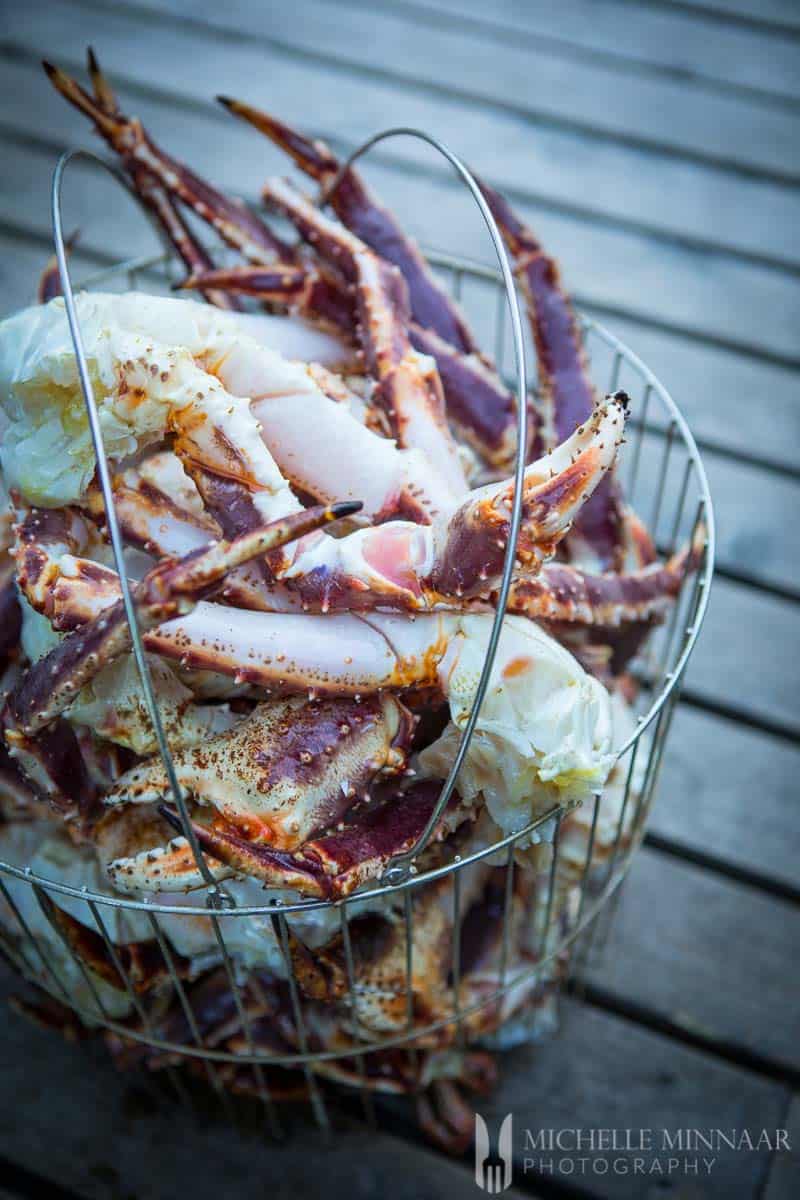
<point>655,145</point>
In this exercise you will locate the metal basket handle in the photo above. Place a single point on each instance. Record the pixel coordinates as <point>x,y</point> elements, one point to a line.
<point>400,867</point>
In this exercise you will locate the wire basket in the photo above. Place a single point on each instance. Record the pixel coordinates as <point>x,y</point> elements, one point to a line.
<point>282,1025</point>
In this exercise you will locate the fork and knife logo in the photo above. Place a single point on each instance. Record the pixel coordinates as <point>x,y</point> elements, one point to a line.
<point>493,1170</point>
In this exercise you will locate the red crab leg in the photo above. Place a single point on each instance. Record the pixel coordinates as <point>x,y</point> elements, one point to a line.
<point>151,520</point>
<point>155,523</point>
<point>564,593</point>
<point>170,589</point>
<point>564,383</point>
<point>231,219</point>
<point>155,198</point>
<point>483,410</point>
<point>43,536</point>
<point>52,762</point>
<point>604,620</point>
<point>10,612</point>
<point>302,290</point>
<point>360,211</point>
<point>335,865</point>
<point>410,395</point>
<point>480,406</point>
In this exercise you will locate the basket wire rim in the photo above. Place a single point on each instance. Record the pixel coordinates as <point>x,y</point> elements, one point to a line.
<point>465,264</point>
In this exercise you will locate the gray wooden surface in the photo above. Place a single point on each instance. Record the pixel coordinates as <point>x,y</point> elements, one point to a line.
<point>655,145</point>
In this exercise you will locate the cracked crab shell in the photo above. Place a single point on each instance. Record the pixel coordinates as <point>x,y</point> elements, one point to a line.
<point>141,354</point>
<point>544,735</point>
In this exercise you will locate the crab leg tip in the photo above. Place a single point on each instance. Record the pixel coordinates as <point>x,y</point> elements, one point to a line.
<point>171,817</point>
<point>343,508</point>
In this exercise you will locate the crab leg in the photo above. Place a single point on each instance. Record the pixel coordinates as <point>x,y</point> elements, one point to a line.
<point>169,590</point>
<point>335,865</point>
<point>44,537</point>
<point>408,389</point>
<point>291,769</point>
<point>234,223</point>
<point>479,404</point>
<point>302,290</point>
<point>165,527</point>
<point>36,735</point>
<point>564,593</point>
<point>352,202</point>
<point>155,199</point>
<point>158,509</point>
<point>10,614</point>
<point>565,387</point>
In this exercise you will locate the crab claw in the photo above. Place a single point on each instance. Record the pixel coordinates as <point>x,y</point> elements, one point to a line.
<point>235,224</point>
<point>290,769</point>
<point>335,865</point>
<point>275,868</point>
<point>358,209</point>
<point>556,490</point>
<point>134,847</point>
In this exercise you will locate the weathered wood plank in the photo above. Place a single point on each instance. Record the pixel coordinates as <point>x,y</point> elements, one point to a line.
<point>602,1071</point>
<point>688,945</point>
<point>645,110</point>
<point>723,395</point>
<point>20,265</point>
<point>688,44</point>
<point>106,1138</point>
<point>781,14</point>
<point>731,792</point>
<point>606,1072</point>
<point>743,657</point>
<point>607,268</point>
<point>784,1174</point>
<point>558,166</point>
